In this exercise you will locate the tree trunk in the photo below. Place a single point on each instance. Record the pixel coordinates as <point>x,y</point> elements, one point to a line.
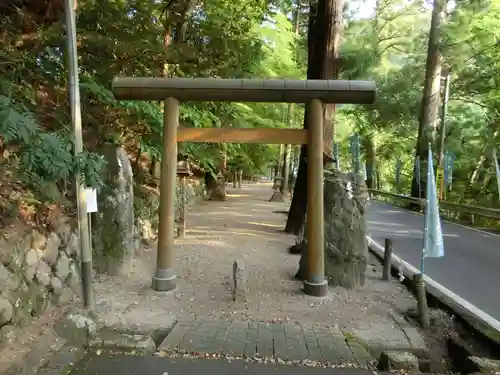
<point>323,40</point>
<point>287,160</point>
<point>429,109</point>
<point>285,171</point>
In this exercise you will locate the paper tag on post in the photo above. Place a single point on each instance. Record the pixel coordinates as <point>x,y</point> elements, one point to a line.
<point>91,200</point>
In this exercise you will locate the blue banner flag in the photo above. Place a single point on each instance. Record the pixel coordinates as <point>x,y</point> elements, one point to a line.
<point>497,169</point>
<point>433,236</point>
<point>449,160</point>
<point>369,171</point>
<point>446,171</point>
<point>417,174</point>
<point>398,175</point>
<point>355,151</point>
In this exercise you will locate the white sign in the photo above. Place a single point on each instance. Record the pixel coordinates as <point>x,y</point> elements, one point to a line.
<point>91,199</point>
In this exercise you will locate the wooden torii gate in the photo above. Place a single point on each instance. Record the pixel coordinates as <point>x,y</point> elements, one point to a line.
<point>311,92</point>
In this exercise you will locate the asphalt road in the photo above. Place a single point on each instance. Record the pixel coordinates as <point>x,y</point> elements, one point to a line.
<point>470,267</point>
<point>131,365</point>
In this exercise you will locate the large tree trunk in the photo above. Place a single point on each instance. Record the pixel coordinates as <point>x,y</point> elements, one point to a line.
<point>429,109</point>
<point>288,148</point>
<point>324,32</point>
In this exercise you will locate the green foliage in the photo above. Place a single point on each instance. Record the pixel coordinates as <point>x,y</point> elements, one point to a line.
<point>43,158</point>
<point>146,207</point>
<point>391,48</point>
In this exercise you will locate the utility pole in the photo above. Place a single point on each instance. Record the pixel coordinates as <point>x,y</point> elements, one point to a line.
<point>442,133</point>
<point>76,119</point>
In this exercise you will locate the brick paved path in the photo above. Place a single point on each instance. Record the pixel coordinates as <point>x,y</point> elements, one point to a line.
<point>284,341</point>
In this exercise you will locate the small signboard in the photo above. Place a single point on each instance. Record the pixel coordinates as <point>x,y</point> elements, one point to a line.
<point>91,200</point>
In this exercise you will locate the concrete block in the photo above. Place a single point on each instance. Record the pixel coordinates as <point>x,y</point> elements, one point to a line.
<point>390,360</point>
<point>140,344</point>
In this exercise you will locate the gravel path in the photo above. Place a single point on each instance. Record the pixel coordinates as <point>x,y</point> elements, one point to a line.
<point>245,227</point>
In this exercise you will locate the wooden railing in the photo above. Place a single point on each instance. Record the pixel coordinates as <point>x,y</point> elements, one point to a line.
<point>472,211</point>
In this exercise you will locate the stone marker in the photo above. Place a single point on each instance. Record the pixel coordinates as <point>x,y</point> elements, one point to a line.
<point>113,230</point>
<point>240,281</point>
<point>346,248</point>
<point>392,360</point>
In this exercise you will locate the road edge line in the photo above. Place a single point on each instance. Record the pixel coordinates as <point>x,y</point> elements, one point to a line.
<point>480,320</point>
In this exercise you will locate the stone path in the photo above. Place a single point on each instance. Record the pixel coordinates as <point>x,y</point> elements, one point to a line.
<point>284,341</point>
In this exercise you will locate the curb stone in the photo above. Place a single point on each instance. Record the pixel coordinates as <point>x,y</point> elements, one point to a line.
<point>139,344</point>
<point>412,334</point>
<point>391,360</point>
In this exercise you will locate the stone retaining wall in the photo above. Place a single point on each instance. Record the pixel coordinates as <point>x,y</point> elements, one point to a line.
<point>35,270</point>
<point>39,269</point>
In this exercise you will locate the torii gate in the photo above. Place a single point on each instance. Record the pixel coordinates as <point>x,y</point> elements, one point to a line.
<point>311,92</point>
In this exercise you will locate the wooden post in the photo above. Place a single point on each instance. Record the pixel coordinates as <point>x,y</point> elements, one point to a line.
<point>164,278</point>
<point>386,275</point>
<point>315,283</point>
<point>235,178</point>
<point>423,309</point>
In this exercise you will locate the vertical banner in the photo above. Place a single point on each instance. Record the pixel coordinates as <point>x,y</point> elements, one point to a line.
<point>398,175</point>
<point>433,235</point>
<point>445,173</point>
<point>497,170</point>
<point>336,155</point>
<point>450,161</point>
<point>417,175</point>
<point>355,152</point>
<point>370,175</point>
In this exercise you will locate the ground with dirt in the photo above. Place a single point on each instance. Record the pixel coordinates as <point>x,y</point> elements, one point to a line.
<point>249,228</point>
